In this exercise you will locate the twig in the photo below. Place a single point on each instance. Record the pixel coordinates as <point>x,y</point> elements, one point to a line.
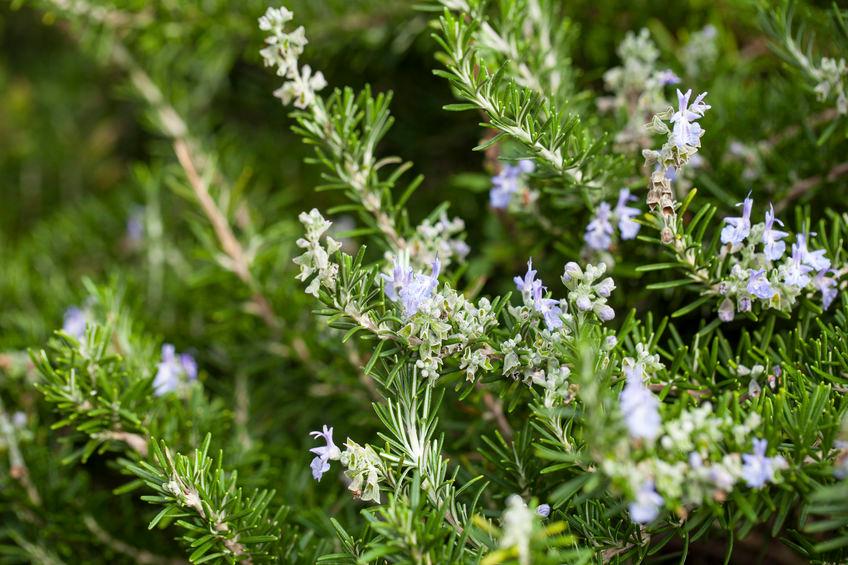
<point>139,555</point>
<point>494,408</point>
<point>17,466</point>
<point>189,157</point>
<point>802,186</point>
<point>134,441</point>
<point>229,243</point>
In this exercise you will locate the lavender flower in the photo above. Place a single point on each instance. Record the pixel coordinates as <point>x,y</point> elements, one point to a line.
<point>400,276</point>
<point>827,286</point>
<point>815,259</point>
<point>527,285</point>
<point>759,286</point>
<point>548,307</point>
<point>625,215</point>
<point>599,231</point>
<point>638,405</point>
<point>757,469</point>
<point>321,463</point>
<point>74,323</point>
<point>737,229</point>
<point>543,510</point>
<point>419,290</point>
<point>795,272</point>
<point>687,130</point>
<point>646,507</point>
<point>774,248</point>
<point>173,370</point>
<point>667,77</point>
<point>507,182</point>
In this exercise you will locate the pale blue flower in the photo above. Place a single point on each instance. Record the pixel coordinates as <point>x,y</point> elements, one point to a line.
<point>774,248</point>
<point>758,285</point>
<point>646,507</point>
<point>173,370</point>
<point>625,215</point>
<point>543,510</point>
<point>815,259</point>
<point>324,453</point>
<point>795,273</point>
<point>667,77</point>
<point>737,229</point>
<point>827,286</point>
<point>74,323</point>
<point>507,182</point>
<point>400,276</point>
<point>686,129</point>
<point>757,469</point>
<point>419,290</point>
<point>639,406</point>
<point>548,307</point>
<point>599,231</point>
<point>527,285</point>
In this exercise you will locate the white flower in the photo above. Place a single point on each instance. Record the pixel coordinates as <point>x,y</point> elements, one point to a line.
<point>301,88</point>
<point>517,528</point>
<point>687,130</point>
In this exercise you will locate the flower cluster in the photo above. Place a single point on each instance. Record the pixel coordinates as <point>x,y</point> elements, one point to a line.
<point>509,186</point>
<point>682,143</point>
<point>282,51</point>
<point>436,239</point>
<point>761,271</point>
<point>364,470</point>
<point>316,258</point>
<point>684,462</point>
<point>700,52</point>
<point>832,75</point>
<point>637,86</point>
<point>600,231</point>
<point>438,322</point>
<point>533,293</point>
<point>586,294</point>
<point>411,289</point>
<point>535,362</point>
<point>174,371</point>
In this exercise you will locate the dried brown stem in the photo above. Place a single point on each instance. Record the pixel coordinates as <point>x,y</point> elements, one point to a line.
<point>494,408</point>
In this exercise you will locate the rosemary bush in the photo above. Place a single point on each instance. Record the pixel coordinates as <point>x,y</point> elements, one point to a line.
<point>237,328</point>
